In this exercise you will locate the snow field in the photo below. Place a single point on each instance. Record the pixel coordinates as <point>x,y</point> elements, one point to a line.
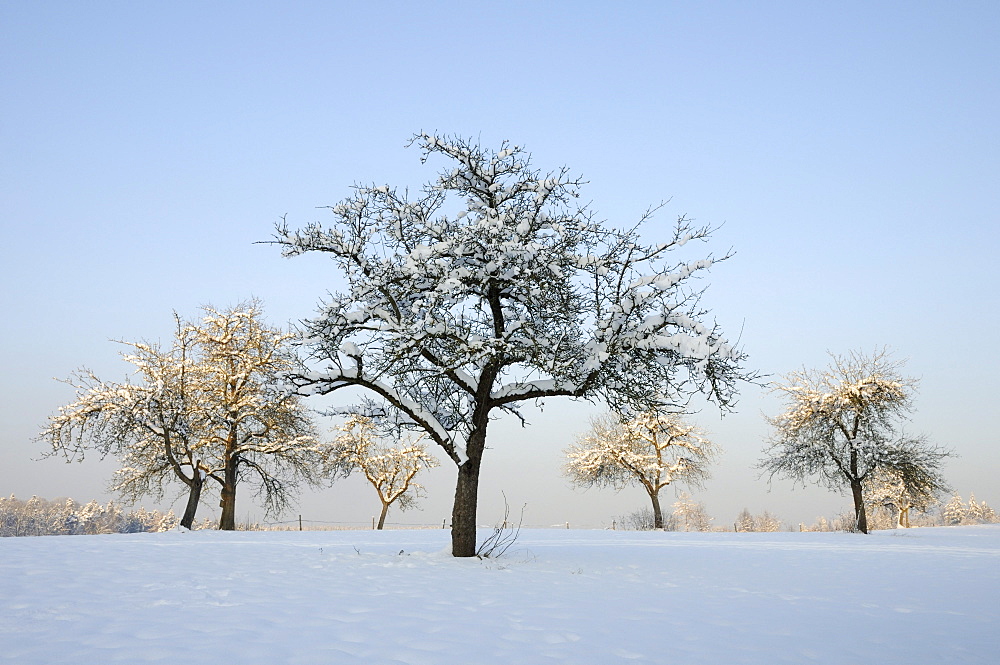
<point>558,596</point>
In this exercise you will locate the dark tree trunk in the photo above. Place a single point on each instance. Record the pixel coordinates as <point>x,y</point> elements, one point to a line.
<point>194,495</point>
<point>859,506</point>
<point>657,513</point>
<point>381,518</point>
<point>228,520</point>
<point>463,513</point>
<point>859,500</point>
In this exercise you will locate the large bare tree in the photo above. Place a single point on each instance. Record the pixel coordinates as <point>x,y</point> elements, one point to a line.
<point>843,424</point>
<point>652,450</point>
<point>492,287</point>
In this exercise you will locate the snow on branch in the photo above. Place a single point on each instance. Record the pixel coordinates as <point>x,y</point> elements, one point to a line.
<point>842,426</point>
<point>492,285</point>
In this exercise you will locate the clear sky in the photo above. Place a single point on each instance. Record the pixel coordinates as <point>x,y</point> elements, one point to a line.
<point>850,152</point>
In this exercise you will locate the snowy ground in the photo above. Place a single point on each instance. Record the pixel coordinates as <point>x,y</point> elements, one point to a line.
<point>559,596</point>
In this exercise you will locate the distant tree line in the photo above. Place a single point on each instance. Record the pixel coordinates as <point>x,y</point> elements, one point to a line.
<point>689,515</point>
<point>66,517</point>
<point>957,512</point>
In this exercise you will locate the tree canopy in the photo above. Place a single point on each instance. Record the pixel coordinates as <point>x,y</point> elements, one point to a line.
<point>651,450</point>
<point>844,423</point>
<point>492,286</point>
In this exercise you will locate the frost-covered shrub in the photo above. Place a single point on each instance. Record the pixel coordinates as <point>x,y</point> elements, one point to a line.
<point>845,522</point>
<point>821,524</point>
<point>637,520</point>
<point>688,515</point>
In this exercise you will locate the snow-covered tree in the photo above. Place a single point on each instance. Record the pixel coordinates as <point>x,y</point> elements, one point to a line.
<point>492,287</point>
<point>15,519</point>
<point>765,522</point>
<point>690,515</point>
<point>953,511</point>
<point>390,470</point>
<point>150,423</point>
<point>651,450</point>
<point>842,425</point>
<point>166,522</point>
<point>744,521</point>
<point>887,490</point>
<point>208,407</point>
<point>255,429</point>
<point>973,511</point>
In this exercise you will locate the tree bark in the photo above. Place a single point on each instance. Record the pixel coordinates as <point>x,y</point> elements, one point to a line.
<point>194,496</point>
<point>860,517</point>
<point>381,518</point>
<point>463,514</point>
<point>228,520</point>
<point>859,506</point>
<point>657,513</point>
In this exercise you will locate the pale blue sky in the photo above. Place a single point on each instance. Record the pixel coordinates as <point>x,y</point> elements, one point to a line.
<point>850,150</point>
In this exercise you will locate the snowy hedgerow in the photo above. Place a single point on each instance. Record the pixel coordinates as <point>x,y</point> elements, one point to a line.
<point>492,286</point>
<point>651,450</point>
<point>842,425</point>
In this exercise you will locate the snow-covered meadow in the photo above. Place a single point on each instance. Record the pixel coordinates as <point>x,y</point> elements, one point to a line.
<point>558,596</point>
